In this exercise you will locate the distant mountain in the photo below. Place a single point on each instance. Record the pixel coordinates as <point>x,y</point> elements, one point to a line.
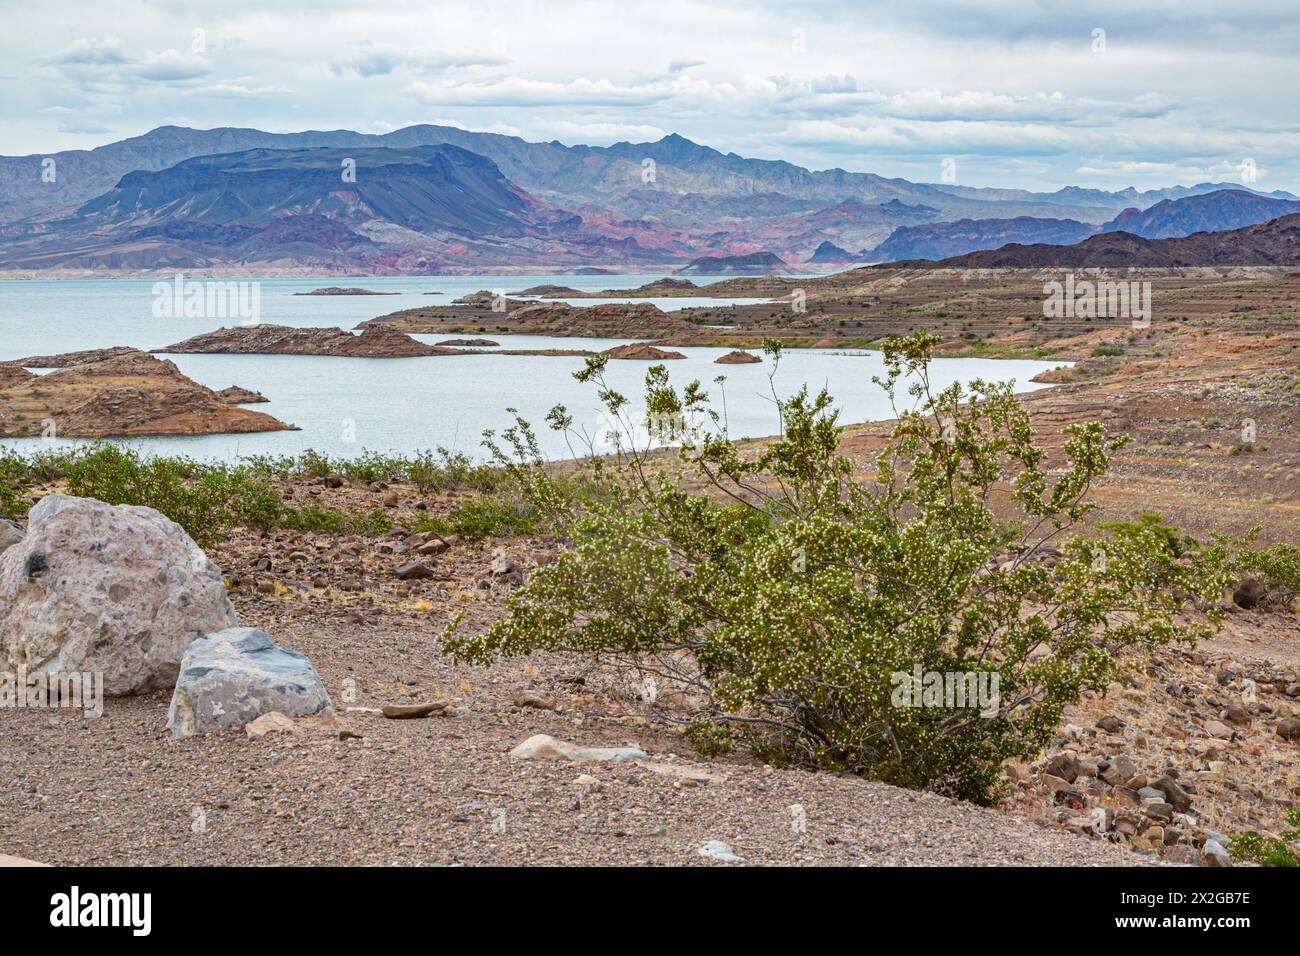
<point>1273,243</point>
<point>422,209</point>
<point>830,254</point>
<point>757,263</point>
<point>1100,199</point>
<point>628,204</point>
<point>1208,212</point>
<point>627,180</point>
<point>940,240</point>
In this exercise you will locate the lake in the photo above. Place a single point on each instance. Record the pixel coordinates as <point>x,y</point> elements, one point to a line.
<point>346,405</point>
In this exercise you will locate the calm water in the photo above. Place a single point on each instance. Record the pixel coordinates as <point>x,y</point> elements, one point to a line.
<point>345,405</point>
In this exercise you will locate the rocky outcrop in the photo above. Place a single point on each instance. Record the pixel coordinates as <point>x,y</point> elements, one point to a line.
<point>129,394</point>
<point>234,395</point>
<point>117,590</point>
<point>14,375</point>
<point>65,359</point>
<point>232,677</point>
<point>470,343</point>
<point>375,341</point>
<point>641,351</point>
<point>737,357</point>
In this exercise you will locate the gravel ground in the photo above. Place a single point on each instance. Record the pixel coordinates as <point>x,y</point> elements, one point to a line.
<point>443,790</point>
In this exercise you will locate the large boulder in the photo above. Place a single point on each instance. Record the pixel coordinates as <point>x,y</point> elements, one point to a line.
<point>232,677</point>
<point>117,590</point>
<point>10,534</point>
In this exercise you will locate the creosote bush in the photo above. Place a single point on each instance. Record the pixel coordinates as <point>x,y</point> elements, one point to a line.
<point>782,594</point>
<point>203,499</point>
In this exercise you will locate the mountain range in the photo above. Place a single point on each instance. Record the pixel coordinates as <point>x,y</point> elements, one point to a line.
<point>436,198</point>
<point>1272,243</point>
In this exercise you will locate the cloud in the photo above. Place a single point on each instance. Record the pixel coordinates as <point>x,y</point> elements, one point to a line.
<point>1018,96</point>
<point>91,52</point>
<point>172,65</point>
<point>384,61</point>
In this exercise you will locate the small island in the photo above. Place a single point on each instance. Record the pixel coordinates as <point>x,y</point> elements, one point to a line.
<point>339,290</point>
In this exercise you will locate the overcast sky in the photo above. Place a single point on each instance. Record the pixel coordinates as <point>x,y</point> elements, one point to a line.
<point>1023,93</point>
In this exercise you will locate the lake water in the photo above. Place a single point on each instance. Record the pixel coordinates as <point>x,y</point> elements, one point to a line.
<point>346,405</point>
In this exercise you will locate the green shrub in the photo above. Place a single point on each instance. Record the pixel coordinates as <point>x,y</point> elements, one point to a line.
<point>1267,850</point>
<point>1277,568</point>
<point>792,601</point>
<point>337,521</point>
<point>205,500</point>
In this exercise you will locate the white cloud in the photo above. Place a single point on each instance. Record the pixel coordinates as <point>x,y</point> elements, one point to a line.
<point>1180,91</point>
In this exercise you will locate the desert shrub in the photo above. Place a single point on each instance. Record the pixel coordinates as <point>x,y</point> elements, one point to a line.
<point>1277,567</point>
<point>792,602</point>
<point>205,500</point>
<point>439,470</point>
<point>1268,850</point>
<point>1172,539</point>
<point>374,521</point>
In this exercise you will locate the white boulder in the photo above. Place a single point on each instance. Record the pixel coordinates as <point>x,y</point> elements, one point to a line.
<point>117,590</point>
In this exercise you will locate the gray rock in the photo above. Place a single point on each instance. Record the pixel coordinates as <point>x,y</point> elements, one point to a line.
<point>1215,854</point>
<point>117,590</point>
<point>1063,765</point>
<point>414,571</point>
<point>1119,770</point>
<point>10,534</point>
<point>717,850</point>
<point>1176,796</point>
<point>234,676</point>
<point>546,747</point>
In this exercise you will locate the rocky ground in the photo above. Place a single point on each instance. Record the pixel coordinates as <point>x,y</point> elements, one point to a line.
<point>1195,746</point>
<point>364,789</point>
<point>1200,727</point>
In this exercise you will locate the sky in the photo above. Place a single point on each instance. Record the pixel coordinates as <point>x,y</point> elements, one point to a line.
<point>1034,94</point>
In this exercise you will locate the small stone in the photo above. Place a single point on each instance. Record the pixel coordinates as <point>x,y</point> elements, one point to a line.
<point>410,711</point>
<point>270,723</point>
<point>1118,770</point>
<point>717,850</point>
<point>414,571</point>
<point>1215,854</point>
<point>1218,730</point>
<point>538,701</point>
<point>546,747</point>
<point>1110,723</point>
<point>1289,729</point>
<point>1063,765</point>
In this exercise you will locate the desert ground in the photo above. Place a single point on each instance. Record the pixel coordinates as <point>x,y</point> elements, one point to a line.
<point>1209,392</point>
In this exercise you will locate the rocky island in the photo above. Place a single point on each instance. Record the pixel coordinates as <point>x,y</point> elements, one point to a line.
<point>339,290</point>
<point>374,342</point>
<point>641,351</point>
<point>130,394</point>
